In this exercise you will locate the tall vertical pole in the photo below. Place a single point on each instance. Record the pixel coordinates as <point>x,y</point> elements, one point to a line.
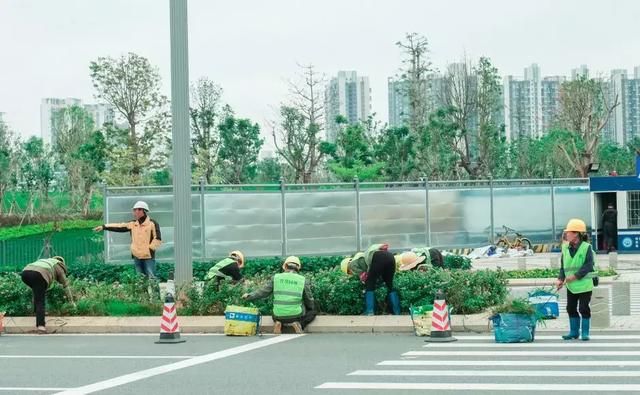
<point>203,222</point>
<point>181,141</point>
<point>553,208</point>
<point>427,212</point>
<point>283,218</point>
<point>491,220</point>
<point>356,185</point>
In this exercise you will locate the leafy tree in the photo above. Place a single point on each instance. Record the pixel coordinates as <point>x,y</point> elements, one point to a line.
<point>239,149</point>
<point>82,152</point>
<point>396,148</point>
<point>8,161</point>
<point>269,171</point>
<point>132,86</point>
<point>297,133</point>
<point>206,113</point>
<point>584,112</point>
<point>36,170</point>
<point>352,154</point>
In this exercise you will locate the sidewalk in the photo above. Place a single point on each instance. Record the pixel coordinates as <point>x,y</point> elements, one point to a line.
<point>322,324</point>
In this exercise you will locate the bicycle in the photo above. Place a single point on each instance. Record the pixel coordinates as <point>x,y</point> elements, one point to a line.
<point>520,241</point>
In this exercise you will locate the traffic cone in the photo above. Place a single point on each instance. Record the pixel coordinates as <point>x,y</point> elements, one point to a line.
<point>169,328</point>
<point>440,321</point>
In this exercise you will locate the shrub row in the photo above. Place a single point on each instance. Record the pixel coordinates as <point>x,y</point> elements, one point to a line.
<point>14,232</point>
<point>335,293</point>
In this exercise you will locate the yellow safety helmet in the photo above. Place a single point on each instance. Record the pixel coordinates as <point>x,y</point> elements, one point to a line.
<point>344,265</point>
<point>240,256</point>
<point>576,225</point>
<point>292,259</point>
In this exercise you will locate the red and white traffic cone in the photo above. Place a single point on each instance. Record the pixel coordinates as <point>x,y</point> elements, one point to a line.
<point>440,321</point>
<point>169,328</point>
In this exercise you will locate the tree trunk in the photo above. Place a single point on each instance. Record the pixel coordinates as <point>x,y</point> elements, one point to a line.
<point>87,201</point>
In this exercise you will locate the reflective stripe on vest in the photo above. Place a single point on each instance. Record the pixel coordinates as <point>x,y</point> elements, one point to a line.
<point>221,265</point>
<point>288,289</point>
<point>47,264</point>
<point>573,264</point>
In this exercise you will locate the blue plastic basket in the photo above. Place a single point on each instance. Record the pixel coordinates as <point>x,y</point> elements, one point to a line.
<point>546,304</point>
<point>514,328</point>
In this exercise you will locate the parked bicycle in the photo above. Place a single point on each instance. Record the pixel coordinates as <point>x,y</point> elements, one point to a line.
<point>519,241</point>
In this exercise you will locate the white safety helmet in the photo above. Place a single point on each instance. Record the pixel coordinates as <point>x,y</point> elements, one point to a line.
<point>142,205</point>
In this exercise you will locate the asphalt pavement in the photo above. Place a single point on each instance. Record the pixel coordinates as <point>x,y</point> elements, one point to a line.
<point>317,364</point>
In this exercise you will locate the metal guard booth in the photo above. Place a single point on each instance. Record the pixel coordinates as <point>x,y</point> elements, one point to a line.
<point>624,193</point>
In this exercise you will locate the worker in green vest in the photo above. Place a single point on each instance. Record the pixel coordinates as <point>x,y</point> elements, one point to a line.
<point>40,276</point>
<point>228,268</point>
<point>292,298</point>
<point>577,274</point>
<point>375,264</point>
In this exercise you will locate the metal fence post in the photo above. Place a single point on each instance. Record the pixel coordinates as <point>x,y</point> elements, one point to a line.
<point>203,226</point>
<point>356,185</point>
<point>491,234</point>
<point>553,208</point>
<point>427,211</point>
<point>283,219</point>
<point>105,210</point>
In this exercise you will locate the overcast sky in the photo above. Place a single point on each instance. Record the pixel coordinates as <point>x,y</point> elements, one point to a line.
<point>251,47</point>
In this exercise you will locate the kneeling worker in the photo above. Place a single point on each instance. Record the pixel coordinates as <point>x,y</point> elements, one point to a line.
<point>228,268</point>
<point>292,299</point>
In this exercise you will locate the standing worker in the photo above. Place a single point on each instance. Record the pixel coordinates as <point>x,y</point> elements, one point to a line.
<point>377,263</point>
<point>609,227</point>
<point>145,238</point>
<point>576,270</point>
<point>228,268</point>
<point>40,277</point>
<point>292,298</point>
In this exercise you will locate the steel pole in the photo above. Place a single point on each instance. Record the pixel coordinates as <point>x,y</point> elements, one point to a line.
<point>181,141</point>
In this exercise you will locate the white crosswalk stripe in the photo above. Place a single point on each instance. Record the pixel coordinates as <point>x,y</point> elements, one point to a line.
<point>608,363</point>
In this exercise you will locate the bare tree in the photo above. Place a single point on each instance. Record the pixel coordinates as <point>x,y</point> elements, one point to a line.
<point>585,109</point>
<point>297,135</point>
<point>415,73</point>
<point>8,161</point>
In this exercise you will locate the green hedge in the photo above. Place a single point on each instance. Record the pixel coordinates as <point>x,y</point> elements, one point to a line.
<point>335,293</point>
<point>550,273</point>
<point>14,232</point>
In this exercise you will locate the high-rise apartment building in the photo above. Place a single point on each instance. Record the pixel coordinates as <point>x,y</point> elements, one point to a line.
<point>349,95</point>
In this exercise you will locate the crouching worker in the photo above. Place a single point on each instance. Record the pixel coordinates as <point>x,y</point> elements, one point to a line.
<point>292,299</point>
<point>228,268</point>
<point>433,257</point>
<point>40,277</point>
<point>376,264</point>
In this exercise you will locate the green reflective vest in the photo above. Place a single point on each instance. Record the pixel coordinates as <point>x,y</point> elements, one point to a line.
<point>215,270</point>
<point>423,251</point>
<point>49,265</point>
<point>358,264</point>
<point>573,264</point>
<point>287,294</point>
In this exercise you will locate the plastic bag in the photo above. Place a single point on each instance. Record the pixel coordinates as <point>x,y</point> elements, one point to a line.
<point>421,318</point>
<point>513,328</point>
<point>241,321</point>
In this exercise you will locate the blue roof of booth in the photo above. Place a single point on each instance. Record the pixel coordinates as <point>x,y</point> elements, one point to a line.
<point>614,183</point>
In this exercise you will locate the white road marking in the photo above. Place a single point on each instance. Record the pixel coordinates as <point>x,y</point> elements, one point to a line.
<point>500,373</point>
<point>143,374</point>
<point>594,336</point>
<point>12,389</point>
<point>110,334</point>
<point>559,353</point>
<point>573,345</point>
<point>586,388</point>
<point>508,363</point>
<point>98,356</point>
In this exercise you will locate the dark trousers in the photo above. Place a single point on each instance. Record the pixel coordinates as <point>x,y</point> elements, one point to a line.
<point>383,266</point>
<point>39,286</point>
<point>579,303</point>
<point>304,320</point>
<point>608,234</point>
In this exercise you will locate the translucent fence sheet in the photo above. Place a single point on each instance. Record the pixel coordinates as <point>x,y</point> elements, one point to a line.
<point>248,222</point>
<point>321,222</point>
<point>325,221</point>
<point>118,209</point>
<point>394,217</point>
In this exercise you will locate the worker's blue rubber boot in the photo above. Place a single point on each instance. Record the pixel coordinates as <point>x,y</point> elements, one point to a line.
<point>369,303</point>
<point>574,329</point>
<point>394,301</point>
<point>586,326</point>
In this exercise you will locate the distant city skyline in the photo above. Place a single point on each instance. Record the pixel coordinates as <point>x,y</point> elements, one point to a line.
<point>252,48</point>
